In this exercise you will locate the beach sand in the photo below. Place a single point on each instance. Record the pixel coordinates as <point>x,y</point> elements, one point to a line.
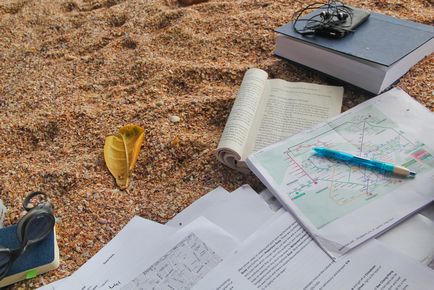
<point>72,72</point>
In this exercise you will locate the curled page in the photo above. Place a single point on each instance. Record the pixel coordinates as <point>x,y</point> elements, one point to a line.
<point>267,111</point>
<point>238,127</point>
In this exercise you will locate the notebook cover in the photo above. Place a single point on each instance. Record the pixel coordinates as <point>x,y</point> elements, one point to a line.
<point>380,39</point>
<point>36,255</point>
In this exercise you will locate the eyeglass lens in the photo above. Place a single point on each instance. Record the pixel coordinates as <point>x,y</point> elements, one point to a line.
<point>38,228</point>
<point>4,261</point>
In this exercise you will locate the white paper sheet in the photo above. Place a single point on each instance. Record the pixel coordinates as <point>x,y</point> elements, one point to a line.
<point>182,260</point>
<point>240,213</point>
<point>428,211</point>
<point>137,238</point>
<point>281,255</point>
<point>342,205</point>
<point>2,213</point>
<point>270,199</point>
<point>200,237</point>
<point>200,206</point>
<point>414,238</point>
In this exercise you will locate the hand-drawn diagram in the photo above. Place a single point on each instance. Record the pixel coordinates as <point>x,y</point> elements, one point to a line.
<point>324,189</point>
<point>180,268</point>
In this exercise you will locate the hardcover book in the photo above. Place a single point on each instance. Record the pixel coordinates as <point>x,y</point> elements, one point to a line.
<point>373,57</point>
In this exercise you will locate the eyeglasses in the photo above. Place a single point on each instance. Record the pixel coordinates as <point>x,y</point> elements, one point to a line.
<point>35,226</point>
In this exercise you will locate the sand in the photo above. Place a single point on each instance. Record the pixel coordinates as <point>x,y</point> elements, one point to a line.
<point>72,72</point>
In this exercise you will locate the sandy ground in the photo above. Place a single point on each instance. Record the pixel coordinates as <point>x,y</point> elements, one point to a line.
<point>72,72</point>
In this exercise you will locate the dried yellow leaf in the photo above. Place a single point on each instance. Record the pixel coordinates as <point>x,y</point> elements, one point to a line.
<point>175,141</point>
<point>121,152</point>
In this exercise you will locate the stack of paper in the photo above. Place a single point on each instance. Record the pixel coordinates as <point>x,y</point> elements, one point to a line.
<point>281,255</point>
<point>197,239</point>
<point>343,205</point>
<point>245,240</point>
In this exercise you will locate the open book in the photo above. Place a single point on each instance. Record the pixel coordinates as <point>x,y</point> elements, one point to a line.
<point>266,111</point>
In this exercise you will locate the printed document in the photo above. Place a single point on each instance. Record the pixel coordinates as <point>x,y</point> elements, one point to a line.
<point>428,211</point>
<point>199,207</point>
<point>180,261</point>
<point>187,255</point>
<point>241,214</point>
<point>281,255</point>
<point>414,238</point>
<point>134,240</point>
<point>341,204</point>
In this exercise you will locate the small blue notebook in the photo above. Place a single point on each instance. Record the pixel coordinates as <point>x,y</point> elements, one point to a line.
<point>37,259</point>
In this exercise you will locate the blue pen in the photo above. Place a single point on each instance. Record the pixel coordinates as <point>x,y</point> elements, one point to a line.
<point>373,164</point>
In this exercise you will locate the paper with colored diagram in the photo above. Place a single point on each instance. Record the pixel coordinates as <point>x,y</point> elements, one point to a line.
<point>343,205</point>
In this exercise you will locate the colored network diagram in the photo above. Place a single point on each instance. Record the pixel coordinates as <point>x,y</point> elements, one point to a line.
<point>325,190</point>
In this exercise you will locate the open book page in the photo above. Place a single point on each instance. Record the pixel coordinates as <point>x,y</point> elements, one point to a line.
<point>291,107</point>
<point>267,111</point>
<point>238,127</point>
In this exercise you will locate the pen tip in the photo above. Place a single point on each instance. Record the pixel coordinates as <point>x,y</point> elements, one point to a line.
<point>412,174</point>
